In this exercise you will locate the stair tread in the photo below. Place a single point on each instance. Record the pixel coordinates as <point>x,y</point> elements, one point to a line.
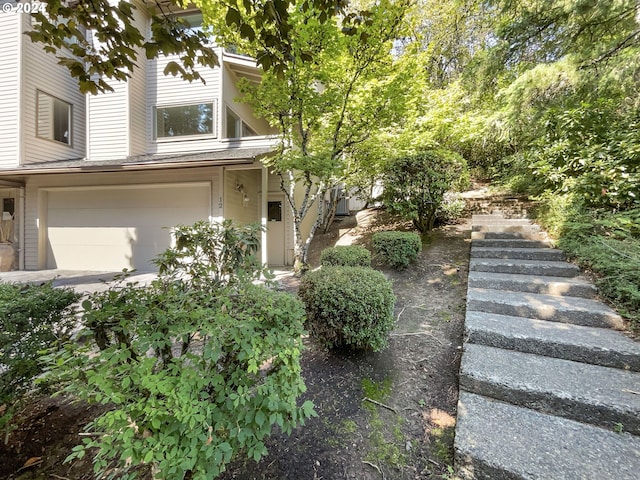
<point>599,346</point>
<point>589,393</point>
<point>495,440</point>
<point>548,284</point>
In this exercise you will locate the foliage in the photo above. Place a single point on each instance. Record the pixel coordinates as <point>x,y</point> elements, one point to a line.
<point>450,209</point>
<point>397,249</point>
<point>414,186</point>
<point>346,256</point>
<point>323,109</point>
<point>348,306</point>
<point>198,367</point>
<point>121,38</point>
<point>34,318</point>
<point>607,243</point>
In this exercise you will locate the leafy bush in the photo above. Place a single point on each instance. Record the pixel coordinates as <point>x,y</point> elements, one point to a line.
<point>198,367</point>
<point>346,256</point>
<point>414,186</point>
<point>605,242</point>
<point>450,209</point>
<point>397,249</point>
<point>34,318</point>
<point>348,306</point>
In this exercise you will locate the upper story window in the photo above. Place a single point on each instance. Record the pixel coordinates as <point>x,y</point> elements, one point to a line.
<point>53,118</point>
<point>236,127</point>
<point>192,20</point>
<point>184,120</point>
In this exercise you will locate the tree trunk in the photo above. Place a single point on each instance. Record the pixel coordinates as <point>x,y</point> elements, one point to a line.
<point>330,214</point>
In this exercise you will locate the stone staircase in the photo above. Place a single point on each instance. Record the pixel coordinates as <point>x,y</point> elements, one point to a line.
<point>548,388</point>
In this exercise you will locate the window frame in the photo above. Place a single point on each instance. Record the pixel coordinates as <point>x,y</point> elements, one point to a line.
<point>69,142</point>
<point>177,138</point>
<point>239,131</point>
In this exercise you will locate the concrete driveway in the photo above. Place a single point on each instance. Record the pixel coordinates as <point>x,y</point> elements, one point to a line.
<point>82,281</point>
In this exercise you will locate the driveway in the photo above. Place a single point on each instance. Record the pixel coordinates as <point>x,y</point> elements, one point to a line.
<point>82,281</point>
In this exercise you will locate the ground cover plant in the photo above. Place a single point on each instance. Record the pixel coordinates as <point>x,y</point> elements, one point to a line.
<point>397,249</point>
<point>34,319</point>
<point>605,243</point>
<point>348,306</point>
<point>195,369</point>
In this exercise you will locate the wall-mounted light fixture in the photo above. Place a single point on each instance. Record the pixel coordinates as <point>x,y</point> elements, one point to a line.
<point>245,198</point>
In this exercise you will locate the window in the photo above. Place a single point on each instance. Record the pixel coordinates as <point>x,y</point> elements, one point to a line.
<point>53,118</point>
<point>184,120</point>
<point>274,211</point>
<point>236,128</point>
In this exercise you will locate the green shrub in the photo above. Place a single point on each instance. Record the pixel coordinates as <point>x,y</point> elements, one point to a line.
<point>196,370</point>
<point>450,209</point>
<point>34,318</point>
<point>348,306</point>
<point>414,186</point>
<point>605,242</point>
<point>346,256</point>
<point>397,249</point>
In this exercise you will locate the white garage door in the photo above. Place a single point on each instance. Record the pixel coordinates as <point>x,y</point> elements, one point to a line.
<point>116,228</point>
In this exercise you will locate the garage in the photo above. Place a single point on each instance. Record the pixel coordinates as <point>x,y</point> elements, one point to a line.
<point>111,228</point>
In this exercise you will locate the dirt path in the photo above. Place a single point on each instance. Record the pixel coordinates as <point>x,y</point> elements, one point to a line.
<point>405,428</point>
<point>415,378</point>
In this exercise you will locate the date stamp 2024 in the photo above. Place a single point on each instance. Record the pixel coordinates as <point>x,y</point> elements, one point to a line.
<point>23,7</point>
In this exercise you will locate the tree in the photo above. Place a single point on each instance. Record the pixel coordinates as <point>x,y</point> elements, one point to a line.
<point>337,90</point>
<point>117,41</point>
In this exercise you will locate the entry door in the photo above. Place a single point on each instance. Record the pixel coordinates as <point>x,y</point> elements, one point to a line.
<point>275,230</point>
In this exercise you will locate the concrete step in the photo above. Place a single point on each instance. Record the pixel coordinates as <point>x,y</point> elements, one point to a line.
<point>586,393</point>
<point>498,441</point>
<point>511,243</point>
<point>500,220</point>
<point>525,267</point>
<point>598,346</point>
<point>575,310</point>
<point>575,287</point>
<point>507,235</point>
<point>544,254</point>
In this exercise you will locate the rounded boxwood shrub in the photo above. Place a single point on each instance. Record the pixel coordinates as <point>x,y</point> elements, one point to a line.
<point>348,306</point>
<point>346,256</point>
<point>397,249</point>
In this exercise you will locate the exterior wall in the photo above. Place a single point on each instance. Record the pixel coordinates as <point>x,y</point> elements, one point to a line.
<point>36,198</point>
<point>235,207</point>
<point>167,90</point>
<point>229,95</point>
<point>56,82</point>
<point>137,97</point>
<point>10,30</point>
<point>108,124</point>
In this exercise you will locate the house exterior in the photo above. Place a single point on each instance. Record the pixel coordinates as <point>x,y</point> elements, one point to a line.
<point>95,182</point>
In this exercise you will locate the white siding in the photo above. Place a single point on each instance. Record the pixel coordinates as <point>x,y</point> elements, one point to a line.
<point>9,88</point>
<point>242,199</point>
<point>138,97</point>
<point>36,198</point>
<point>41,72</point>
<point>229,95</point>
<point>163,90</point>
<point>108,137</point>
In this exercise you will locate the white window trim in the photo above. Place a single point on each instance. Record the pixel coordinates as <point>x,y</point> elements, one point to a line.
<point>242,120</point>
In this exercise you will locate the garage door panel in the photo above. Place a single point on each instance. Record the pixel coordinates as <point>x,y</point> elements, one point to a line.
<point>109,217</point>
<point>112,229</point>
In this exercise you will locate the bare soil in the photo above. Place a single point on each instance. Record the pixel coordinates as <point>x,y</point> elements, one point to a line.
<point>386,415</point>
